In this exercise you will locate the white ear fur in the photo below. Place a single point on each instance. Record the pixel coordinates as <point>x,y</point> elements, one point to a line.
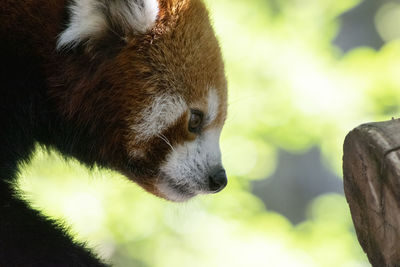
<point>86,19</point>
<point>89,19</point>
<point>137,15</point>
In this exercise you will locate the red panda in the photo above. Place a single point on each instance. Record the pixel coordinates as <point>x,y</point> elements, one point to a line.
<point>136,86</point>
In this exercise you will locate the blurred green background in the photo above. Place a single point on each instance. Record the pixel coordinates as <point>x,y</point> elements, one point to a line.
<point>302,73</point>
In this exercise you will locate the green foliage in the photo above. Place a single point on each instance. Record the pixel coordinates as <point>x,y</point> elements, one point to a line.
<point>289,88</point>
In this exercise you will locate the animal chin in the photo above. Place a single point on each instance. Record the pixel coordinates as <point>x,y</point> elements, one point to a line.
<point>175,193</point>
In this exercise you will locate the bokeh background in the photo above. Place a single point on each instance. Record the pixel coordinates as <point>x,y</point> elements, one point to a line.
<point>302,73</point>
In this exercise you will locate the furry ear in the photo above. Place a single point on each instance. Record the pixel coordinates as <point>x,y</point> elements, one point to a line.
<point>90,20</point>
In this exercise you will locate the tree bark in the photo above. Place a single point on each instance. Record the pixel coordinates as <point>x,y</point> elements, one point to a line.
<point>371,169</point>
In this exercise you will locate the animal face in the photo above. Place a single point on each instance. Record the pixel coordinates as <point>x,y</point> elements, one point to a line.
<point>189,133</point>
<point>162,88</point>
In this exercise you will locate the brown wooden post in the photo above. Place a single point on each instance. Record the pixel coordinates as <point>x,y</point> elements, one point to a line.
<point>371,169</point>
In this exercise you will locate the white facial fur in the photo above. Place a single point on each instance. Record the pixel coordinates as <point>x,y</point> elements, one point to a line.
<point>164,112</point>
<point>187,168</point>
<point>88,19</point>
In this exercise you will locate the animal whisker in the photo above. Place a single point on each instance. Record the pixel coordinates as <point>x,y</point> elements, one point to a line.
<point>165,139</point>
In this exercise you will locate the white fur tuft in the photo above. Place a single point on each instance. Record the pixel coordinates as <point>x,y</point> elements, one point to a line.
<point>189,165</point>
<point>136,15</point>
<point>164,112</point>
<point>88,19</point>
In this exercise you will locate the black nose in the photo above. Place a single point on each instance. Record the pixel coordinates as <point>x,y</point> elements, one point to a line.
<point>217,180</point>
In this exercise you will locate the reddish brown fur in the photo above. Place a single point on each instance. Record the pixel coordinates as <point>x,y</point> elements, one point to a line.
<point>104,88</point>
<point>184,57</point>
<point>85,101</point>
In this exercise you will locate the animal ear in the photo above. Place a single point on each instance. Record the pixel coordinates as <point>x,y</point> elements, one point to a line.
<point>91,20</point>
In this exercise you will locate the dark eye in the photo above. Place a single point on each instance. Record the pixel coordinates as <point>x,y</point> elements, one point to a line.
<point>196,121</point>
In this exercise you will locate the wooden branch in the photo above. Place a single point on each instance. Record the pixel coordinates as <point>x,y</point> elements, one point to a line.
<point>371,169</point>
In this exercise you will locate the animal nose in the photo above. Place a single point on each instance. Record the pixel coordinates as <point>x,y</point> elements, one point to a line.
<point>217,180</point>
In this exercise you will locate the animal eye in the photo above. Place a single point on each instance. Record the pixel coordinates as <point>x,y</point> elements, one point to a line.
<point>196,121</point>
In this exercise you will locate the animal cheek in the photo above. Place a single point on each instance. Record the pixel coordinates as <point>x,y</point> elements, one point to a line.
<point>135,149</point>
<point>137,153</point>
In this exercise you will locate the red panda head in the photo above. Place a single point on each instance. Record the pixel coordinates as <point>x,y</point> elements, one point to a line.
<point>151,74</point>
